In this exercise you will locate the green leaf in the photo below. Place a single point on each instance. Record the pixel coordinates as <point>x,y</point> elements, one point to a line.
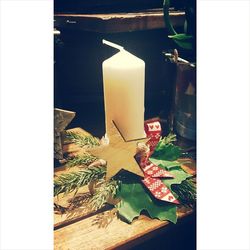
<point>167,152</point>
<point>179,174</point>
<point>183,40</point>
<point>166,164</point>
<point>181,37</point>
<point>169,26</point>
<point>135,198</point>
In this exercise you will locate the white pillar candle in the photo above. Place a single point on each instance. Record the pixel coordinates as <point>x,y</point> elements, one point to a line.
<point>124,84</point>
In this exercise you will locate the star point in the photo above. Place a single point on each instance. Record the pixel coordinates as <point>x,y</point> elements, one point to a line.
<point>119,153</point>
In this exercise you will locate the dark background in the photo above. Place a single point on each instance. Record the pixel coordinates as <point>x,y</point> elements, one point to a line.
<point>108,6</point>
<point>181,236</point>
<point>78,73</point>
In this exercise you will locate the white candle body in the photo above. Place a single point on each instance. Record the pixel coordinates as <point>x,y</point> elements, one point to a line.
<point>124,86</point>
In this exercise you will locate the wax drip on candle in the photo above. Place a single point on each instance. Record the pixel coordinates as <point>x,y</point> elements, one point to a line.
<point>114,45</point>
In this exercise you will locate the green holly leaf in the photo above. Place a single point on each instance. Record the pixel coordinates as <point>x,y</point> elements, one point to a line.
<point>135,198</point>
<point>167,152</point>
<point>179,176</point>
<point>165,164</point>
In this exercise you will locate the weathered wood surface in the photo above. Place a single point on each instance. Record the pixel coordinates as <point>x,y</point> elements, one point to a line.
<point>85,234</point>
<point>118,22</point>
<point>76,229</point>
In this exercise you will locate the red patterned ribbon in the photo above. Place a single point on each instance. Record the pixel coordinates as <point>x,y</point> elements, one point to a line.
<point>153,172</point>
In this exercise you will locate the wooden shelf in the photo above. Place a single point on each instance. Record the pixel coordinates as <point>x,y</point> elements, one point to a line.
<point>118,22</point>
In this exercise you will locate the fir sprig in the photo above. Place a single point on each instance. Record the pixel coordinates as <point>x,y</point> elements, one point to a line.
<point>79,160</point>
<point>186,192</point>
<point>67,183</point>
<point>170,138</point>
<point>104,193</point>
<point>82,140</point>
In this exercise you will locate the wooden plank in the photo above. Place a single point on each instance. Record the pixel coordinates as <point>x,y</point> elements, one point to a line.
<point>80,212</point>
<point>118,22</point>
<point>85,234</point>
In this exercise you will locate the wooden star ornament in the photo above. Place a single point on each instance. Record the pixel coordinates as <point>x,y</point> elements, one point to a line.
<point>118,153</point>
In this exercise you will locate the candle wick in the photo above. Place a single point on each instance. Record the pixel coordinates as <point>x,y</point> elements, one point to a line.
<point>114,45</point>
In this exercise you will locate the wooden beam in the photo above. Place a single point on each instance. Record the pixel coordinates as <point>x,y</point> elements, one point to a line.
<point>118,22</point>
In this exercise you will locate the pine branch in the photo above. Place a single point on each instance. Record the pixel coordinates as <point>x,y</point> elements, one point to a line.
<point>186,192</point>
<point>67,183</point>
<point>104,193</point>
<point>169,138</point>
<point>82,140</point>
<point>79,160</point>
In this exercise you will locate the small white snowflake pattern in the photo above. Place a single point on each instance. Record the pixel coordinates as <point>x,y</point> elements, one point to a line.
<point>154,185</point>
<point>158,194</point>
<point>164,190</point>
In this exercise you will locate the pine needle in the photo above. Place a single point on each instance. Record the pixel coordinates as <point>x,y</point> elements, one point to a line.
<point>81,140</point>
<point>169,138</point>
<point>67,183</point>
<point>104,193</point>
<point>186,192</point>
<point>79,160</point>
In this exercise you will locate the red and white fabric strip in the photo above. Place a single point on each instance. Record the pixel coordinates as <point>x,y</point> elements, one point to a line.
<point>153,172</point>
<point>150,169</point>
<point>153,131</point>
<point>159,190</point>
